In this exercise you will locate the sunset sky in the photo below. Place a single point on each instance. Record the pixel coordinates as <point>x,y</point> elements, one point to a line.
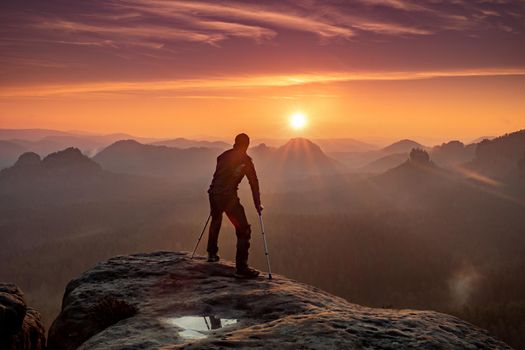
<point>431,70</point>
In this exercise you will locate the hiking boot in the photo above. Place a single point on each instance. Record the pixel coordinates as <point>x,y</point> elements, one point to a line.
<point>246,273</point>
<point>213,258</point>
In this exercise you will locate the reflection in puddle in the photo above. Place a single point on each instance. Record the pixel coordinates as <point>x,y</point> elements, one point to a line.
<point>198,327</point>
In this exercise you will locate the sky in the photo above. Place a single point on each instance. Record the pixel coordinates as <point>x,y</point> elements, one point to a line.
<point>431,70</point>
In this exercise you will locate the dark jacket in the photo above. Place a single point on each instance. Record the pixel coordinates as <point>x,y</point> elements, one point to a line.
<point>232,165</point>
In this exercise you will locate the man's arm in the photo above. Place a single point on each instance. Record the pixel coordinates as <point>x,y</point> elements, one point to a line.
<point>251,174</point>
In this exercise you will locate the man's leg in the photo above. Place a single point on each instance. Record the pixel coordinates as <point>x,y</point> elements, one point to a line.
<point>215,226</point>
<point>237,216</point>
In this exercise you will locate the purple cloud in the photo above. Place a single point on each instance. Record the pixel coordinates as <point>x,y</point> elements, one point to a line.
<point>149,39</point>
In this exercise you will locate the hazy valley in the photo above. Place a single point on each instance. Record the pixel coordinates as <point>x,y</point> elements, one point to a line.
<point>441,228</point>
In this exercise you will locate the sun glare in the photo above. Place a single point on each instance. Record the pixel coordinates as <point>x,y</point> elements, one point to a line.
<point>298,120</point>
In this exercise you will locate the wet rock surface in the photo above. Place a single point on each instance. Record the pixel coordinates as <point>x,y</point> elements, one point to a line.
<point>21,327</point>
<point>166,300</point>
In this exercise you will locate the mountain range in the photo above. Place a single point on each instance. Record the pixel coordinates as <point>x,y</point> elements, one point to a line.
<point>181,142</point>
<point>379,159</point>
<point>297,162</point>
<point>184,159</point>
<point>295,159</point>
<point>500,157</point>
<point>133,157</point>
<point>415,235</point>
<point>13,142</point>
<point>298,158</point>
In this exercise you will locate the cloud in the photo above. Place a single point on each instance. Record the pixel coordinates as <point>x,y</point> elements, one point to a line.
<point>389,28</point>
<point>155,38</point>
<point>397,4</point>
<point>129,34</point>
<point>239,30</point>
<point>197,11</point>
<point>152,23</point>
<point>242,82</point>
<point>323,19</point>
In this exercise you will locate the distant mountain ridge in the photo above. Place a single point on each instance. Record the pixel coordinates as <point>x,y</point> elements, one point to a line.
<point>384,163</point>
<point>133,157</point>
<point>482,138</point>
<point>44,141</point>
<point>353,154</point>
<point>378,160</point>
<point>499,157</point>
<point>329,145</point>
<point>55,143</point>
<point>30,134</point>
<point>453,153</point>
<point>66,175</point>
<point>401,146</point>
<point>298,158</point>
<point>69,162</point>
<point>181,142</point>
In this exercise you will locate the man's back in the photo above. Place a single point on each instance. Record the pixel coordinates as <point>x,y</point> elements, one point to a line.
<point>232,165</point>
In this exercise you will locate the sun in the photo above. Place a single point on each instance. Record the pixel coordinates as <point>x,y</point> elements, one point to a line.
<point>298,120</point>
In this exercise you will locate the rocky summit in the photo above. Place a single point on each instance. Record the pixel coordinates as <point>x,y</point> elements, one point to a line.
<point>20,326</point>
<point>165,300</point>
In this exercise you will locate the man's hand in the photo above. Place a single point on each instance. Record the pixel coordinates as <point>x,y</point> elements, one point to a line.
<point>259,208</point>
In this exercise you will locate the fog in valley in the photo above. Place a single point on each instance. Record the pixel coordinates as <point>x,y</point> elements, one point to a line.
<point>438,227</point>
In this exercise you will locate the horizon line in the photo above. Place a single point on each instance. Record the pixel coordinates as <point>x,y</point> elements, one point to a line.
<point>374,141</point>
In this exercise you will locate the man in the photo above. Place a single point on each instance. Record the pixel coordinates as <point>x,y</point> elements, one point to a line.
<point>232,166</point>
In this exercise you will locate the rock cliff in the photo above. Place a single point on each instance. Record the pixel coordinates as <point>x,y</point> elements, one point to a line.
<point>165,300</point>
<point>20,326</point>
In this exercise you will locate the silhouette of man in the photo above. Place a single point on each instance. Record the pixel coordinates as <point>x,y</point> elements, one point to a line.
<point>232,166</point>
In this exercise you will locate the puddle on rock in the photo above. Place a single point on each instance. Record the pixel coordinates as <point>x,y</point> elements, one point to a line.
<point>199,327</point>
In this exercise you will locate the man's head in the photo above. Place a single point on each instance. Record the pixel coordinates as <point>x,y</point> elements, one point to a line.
<point>242,141</point>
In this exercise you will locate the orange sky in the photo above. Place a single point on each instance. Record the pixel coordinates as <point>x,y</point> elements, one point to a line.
<point>430,110</point>
<point>376,70</point>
